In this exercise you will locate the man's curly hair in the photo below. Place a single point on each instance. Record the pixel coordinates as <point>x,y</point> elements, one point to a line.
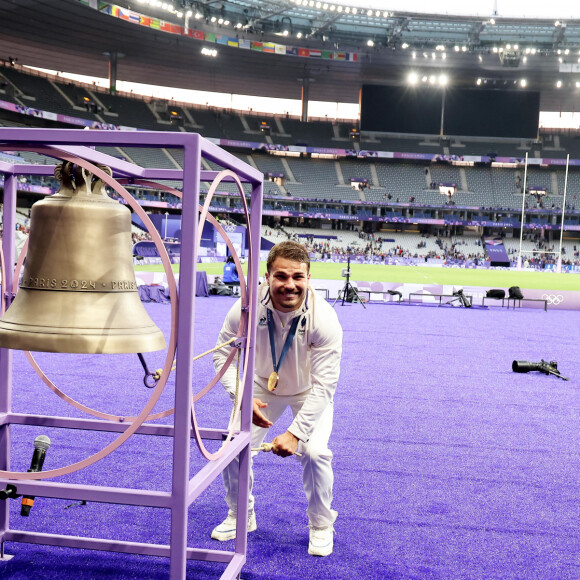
<point>288,250</point>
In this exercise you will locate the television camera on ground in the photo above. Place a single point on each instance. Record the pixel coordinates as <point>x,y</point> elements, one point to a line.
<point>548,368</point>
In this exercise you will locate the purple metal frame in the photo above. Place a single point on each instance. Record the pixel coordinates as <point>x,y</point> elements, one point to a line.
<point>183,490</point>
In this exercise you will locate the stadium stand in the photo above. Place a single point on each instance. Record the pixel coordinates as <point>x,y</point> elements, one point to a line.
<point>35,91</point>
<point>396,191</point>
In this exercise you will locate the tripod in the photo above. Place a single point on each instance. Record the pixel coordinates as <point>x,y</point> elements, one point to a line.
<point>348,290</point>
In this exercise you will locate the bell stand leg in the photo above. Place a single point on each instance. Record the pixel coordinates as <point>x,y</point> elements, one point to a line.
<point>8,247</point>
<point>245,456</point>
<point>184,370</point>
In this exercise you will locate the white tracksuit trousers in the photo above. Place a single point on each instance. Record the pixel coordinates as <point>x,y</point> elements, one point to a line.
<point>317,475</point>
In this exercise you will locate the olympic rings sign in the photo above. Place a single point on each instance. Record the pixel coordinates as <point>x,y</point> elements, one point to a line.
<point>229,228</point>
<point>554,299</point>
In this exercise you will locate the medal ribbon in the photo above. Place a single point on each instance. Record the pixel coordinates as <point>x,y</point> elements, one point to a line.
<point>287,344</point>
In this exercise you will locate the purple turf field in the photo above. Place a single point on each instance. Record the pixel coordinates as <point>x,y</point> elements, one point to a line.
<point>448,465</point>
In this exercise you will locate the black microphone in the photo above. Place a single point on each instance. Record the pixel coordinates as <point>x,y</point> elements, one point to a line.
<point>41,444</point>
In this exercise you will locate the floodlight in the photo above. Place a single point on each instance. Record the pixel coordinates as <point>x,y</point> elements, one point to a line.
<point>370,42</point>
<point>524,83</point>
<point>413,78</point>
<point>443,80</point>
<point>558,84</point>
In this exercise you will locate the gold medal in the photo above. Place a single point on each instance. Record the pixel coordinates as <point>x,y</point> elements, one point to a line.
<point>273,381</point>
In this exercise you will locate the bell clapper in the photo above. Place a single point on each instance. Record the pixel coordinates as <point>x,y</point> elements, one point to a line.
<point>150,379</point>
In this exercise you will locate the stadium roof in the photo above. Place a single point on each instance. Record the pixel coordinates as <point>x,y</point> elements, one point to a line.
<point>74,36</point>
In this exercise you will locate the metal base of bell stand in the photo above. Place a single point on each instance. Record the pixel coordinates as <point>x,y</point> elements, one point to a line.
<point>184,491</point>
<point>3,556</point>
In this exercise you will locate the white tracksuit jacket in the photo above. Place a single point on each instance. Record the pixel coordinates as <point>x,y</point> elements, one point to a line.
<point>312,364</point>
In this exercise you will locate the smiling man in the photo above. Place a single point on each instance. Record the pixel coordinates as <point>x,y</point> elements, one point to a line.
<point>298,352</point>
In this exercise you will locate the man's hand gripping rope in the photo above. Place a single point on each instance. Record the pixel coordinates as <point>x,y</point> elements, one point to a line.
<point>270,447</point>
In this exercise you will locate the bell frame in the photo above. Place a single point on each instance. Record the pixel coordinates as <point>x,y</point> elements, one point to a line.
<point>184,491</point>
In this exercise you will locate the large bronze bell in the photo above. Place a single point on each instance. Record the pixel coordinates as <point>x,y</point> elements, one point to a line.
<point>78,291</point>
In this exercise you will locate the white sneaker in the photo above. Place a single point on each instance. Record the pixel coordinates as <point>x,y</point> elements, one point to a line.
<point>321,540</point>
<point>227,529</point>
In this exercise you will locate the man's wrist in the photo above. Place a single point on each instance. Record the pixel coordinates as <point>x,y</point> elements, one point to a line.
<point>298,436</point>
